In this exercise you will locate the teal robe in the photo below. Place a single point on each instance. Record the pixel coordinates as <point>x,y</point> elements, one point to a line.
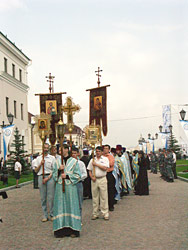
<point>66,205</point>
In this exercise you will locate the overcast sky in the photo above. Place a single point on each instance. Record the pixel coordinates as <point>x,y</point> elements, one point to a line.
<point>141,46</point>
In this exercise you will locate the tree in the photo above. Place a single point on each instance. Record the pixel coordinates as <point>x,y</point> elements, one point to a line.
<point>173,145</point>
<point>18,151</point>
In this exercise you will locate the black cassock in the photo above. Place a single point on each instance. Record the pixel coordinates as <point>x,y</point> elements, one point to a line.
<point>87,181</point>
<point>142,187</point>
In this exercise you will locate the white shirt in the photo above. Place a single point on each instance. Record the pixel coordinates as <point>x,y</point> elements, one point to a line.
<point>17,166</point>
<point>82,170</point>
<point>34,164</point>
<point>99,172</point>
<point>174,157</point>
<point>48,164</point>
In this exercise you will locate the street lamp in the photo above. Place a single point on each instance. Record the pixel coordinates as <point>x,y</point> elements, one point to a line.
<point>10,119</point>
<point>166,133</point>
<point>153,139</point>
<point>32,137</point>
<point>182,114</point>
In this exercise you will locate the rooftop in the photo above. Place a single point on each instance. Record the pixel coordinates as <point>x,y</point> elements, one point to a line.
<point>5,36</point>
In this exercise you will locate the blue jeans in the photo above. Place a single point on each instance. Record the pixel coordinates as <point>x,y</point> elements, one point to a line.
<point>80,195</point>
<point>47,194</point>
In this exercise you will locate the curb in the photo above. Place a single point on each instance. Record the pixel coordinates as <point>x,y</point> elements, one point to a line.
<point>182,179</point>
<point>13,187</point>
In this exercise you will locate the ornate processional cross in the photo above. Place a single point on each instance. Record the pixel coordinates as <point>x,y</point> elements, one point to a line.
<point>98,74</point>
<point>69,109</point>
<point>51,86</point>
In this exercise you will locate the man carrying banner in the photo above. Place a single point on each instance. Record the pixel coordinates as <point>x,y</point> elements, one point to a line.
<point>47,184</point>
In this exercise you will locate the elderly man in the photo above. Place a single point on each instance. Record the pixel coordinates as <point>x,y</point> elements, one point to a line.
<point>99,184</point>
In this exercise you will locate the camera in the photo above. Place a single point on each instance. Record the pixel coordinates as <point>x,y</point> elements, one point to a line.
<point>4,195</point>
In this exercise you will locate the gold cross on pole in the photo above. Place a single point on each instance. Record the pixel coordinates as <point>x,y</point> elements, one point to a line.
<point>51,86</point>
<point>69,109</point>
<point>98,74</point>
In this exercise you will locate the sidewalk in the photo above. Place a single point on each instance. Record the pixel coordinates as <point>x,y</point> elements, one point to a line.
<point>155,222</point>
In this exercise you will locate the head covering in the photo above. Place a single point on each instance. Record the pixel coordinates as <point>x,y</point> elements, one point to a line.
<point>124,149</point>
<point>118,147</point>
<point>113,150</point>
<point>85,152</point>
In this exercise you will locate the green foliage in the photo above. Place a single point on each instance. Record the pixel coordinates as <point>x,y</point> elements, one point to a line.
<point>12,180</point>
<point>17,150</point>
<point>173,145</point>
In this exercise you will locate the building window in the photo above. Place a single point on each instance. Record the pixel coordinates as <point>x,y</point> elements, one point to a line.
<point>13,70</point>
<point>20,75</point>
<point>5,64</point>
<point>7,106</point>
<point>15,115</point>
<point>21,111</point>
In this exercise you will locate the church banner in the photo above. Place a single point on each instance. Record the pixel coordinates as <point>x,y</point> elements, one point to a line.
<point>51,104</point>
<point>98,107</point>
<point>7,133</point>
<point>166,117</point>
<point>164,138</point>
<point>184,125</point>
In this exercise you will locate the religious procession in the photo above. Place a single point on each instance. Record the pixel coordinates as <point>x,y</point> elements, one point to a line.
<point>66,175</point>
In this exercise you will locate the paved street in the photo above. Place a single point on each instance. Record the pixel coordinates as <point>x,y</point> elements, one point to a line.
<point>158,221</point>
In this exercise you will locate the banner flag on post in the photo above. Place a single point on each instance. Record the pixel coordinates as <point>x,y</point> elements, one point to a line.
<point>7,133</point>
<point>98,105</point>
<point>184,125</point>
<point>166,117</point>
<point>51,104</point>
<point>164,137</point>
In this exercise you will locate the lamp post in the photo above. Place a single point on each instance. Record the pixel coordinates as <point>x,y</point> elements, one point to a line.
<point>153,139</point>
<point>166,133</point>
<point>32,137</point>
<point>182,114</point>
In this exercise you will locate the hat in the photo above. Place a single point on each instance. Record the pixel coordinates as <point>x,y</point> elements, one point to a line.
<point>124,149</point>
<point>118,147</point>
<point>85,151</point>
<point>113,150</point>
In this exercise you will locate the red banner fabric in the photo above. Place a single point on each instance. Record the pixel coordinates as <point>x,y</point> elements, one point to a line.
<point>98,107</point>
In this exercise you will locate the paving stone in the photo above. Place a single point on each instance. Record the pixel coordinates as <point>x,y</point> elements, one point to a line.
<point>158,221</point>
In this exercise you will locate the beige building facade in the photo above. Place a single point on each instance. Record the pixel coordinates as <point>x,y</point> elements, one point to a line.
<point>13,88</point>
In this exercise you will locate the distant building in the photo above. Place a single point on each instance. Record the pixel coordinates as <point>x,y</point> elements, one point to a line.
<point>13,88</point>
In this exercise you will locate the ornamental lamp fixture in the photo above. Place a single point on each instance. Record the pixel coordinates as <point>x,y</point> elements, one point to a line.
<point>182,114</point>
<point>149,136</point>
<point>156,136</point>
<point>60,129</point>
<point>10,118</point>
<point>170,128</point>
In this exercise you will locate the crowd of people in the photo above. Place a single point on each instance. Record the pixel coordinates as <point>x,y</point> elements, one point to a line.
<point>166,159</point>
<point>68,179</point>
<point>73,176</point>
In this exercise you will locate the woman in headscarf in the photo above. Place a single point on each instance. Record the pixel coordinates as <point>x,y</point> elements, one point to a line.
<point>142,187</point>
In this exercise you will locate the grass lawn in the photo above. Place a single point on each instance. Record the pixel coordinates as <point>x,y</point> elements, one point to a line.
<point>12,180</point>
<point>181,168</point>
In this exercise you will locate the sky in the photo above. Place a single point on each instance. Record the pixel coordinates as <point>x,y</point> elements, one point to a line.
<point>141,46</point>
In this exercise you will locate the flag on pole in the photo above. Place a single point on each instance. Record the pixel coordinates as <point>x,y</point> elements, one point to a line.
<point>7,132</point>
